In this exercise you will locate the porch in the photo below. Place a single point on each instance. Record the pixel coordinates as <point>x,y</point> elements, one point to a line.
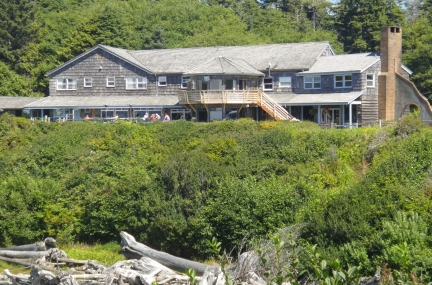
<point>190,99</point>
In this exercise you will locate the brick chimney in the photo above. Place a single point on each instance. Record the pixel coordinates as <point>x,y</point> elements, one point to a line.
<point>391,62</point>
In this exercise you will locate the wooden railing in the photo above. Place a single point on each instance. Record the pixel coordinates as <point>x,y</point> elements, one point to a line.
<point>236,97</point>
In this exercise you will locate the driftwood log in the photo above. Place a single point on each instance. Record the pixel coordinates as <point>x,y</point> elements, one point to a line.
<point>133,249</point>
<point>45,245</point>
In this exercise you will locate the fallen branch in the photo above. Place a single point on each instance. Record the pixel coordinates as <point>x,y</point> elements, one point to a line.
<point>131,247</point>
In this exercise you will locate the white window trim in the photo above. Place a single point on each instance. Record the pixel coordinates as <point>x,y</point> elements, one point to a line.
<point>91,82</point>
<point>264,84</point>
<point>343,81</point>
<point>370,80</point>
<point>285,79</point>
<point>184,81</point>
<point>312,82</point>
<point>162,81</point>
<point>70,82</point>
<point>136,83</point>
<point>108,82</point>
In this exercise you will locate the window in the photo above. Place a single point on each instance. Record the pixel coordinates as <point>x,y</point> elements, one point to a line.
<point>184,82</point>
<point>285,81</point>
<point>268,83</point>
<point>110,82</point>
<point>136,83</point>
<point>87,82</point>
<point>162,81</point>
<point>370,80</point>
<point>343,80</point>
<point>312,82</point>
<point>66,84</point>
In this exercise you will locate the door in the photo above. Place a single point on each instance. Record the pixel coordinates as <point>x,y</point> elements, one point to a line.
<point>216,84</point>
<point>242,84</point>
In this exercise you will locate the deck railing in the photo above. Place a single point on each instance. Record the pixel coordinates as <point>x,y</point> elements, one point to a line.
<point>236,97</point>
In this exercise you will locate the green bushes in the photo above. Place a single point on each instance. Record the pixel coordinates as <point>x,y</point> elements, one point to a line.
<point>175,185</point>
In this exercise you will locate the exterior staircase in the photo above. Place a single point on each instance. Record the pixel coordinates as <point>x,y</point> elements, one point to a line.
<point>274,109</point>
<point>213,97</point>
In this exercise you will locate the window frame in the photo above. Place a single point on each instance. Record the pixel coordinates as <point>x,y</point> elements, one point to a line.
<point>281,81</point>
<point>85,82</point>
<point>70,82</point>
<point>370,80</point>
<point>343,81</point>
<point>313,82</point>
<point>264,84</point>
<point>136,83</point>
<point>162,82</point>
<point>108,81</point>
<point>184,81</point>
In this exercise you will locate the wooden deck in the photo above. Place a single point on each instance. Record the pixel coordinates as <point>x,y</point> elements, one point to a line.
<point>207,97</point>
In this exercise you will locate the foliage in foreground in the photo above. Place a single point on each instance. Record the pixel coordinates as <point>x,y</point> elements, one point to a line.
<point>362,195</point>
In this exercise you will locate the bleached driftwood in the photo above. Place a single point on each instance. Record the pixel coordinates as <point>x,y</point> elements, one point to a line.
<point>23,254</point>
<point>45,245</point>
<point>133,249</point>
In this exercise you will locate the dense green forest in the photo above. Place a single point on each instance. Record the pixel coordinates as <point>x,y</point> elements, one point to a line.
<point>37,36</point>
<point>362,196</point>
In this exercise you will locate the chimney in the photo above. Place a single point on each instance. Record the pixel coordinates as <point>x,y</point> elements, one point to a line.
<point>391,63</point>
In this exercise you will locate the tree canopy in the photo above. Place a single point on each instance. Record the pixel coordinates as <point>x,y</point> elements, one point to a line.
<point>37,36</point>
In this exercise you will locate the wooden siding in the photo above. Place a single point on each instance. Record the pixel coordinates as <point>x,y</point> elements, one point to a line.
<point>327,84</point>
<point>369,107</point>
<point>112,66</point>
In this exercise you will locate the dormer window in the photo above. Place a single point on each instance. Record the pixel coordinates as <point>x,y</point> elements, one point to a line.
<point>343,80</point>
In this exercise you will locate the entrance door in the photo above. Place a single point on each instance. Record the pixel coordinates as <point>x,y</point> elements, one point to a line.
<point>216,84</point>
<point>230,84</point>
<point>242,84</point>
<point>335,116</point>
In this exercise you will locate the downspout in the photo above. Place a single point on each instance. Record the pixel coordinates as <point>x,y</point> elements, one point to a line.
<point>157,84</point>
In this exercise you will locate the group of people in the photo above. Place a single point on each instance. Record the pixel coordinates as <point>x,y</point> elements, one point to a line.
<point>156,117</point>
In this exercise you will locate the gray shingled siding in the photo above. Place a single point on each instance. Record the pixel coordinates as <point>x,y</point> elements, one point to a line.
<point>89,66</point>
<point>369,107</point>
<point>327,85</point>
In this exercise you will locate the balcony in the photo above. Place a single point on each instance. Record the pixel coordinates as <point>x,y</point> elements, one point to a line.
<point>206,97</point>
<point>220,97</point>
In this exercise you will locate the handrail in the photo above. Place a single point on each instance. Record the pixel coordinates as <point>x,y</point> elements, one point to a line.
<point>236,97</point>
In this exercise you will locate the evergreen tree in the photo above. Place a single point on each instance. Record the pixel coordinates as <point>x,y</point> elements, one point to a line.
<point>358,22</point>
<point>418,53</point>
<point>16,28</point>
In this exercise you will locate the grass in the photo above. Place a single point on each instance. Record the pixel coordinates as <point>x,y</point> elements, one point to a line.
<point>106,254</point>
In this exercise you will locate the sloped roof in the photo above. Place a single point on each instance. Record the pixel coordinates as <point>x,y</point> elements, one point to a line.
<point>101,101</point>
<point>317,99</point>
<point>343,63</point>
<point>8,103</point>
<point>224,65</point>
<point>288,56</point>
<point>121,53</point>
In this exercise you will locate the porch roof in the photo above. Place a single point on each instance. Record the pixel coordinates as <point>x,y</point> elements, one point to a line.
<point>53,102</point>
<point>316,99</point>
<point>9,103</point>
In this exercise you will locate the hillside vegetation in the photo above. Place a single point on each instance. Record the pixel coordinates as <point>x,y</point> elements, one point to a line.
<point>362,195</point>
<point>38,36</point>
